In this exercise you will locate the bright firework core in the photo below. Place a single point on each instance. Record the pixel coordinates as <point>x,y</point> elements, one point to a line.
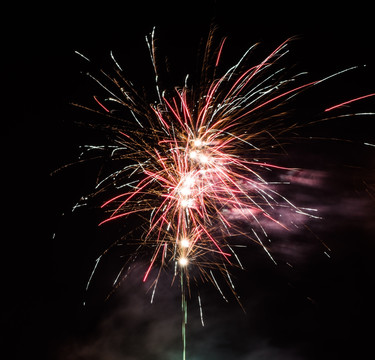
<point>197,153</point>
<point>184,243</point>
<point>197,143</point>
<point>183,261</point>
<point>187,203</point>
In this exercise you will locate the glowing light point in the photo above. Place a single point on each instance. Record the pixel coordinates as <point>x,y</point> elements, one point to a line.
<point>189,181</point>
<point>184,243</point>
<point>197,142</point>
<point>187,203</point>
<point>183,261</point>
<point>204,159</point>
<point>193,154</point>
<point>185,191</point>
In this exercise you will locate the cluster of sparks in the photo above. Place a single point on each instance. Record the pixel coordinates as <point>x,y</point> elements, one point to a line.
<point>194,161</point>
<point>194,165</point>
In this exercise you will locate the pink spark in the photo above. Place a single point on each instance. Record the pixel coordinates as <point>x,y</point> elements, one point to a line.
<point>349,102</point>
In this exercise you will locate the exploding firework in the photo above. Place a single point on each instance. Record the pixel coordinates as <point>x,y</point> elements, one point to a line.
<point>194,164</point>
<point>195,167</point>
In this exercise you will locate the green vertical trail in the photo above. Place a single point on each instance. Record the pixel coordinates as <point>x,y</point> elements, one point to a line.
<point>184,316</point>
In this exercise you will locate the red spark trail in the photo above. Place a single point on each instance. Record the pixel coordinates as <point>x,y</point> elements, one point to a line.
<point>349,102</point>
<point>277,97</point>
<point>101,104</point>
<point>220,50</point>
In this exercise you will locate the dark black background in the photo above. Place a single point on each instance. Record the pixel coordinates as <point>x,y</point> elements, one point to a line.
<point>322,309</point>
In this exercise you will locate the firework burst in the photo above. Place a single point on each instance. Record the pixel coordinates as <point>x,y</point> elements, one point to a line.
<point>196,165</point>
<point>194,162</point>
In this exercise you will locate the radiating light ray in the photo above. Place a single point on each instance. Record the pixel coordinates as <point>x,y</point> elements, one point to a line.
<point>349,102</point>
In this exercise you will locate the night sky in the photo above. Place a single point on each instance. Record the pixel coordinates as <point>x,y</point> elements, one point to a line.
<point>309,306</point>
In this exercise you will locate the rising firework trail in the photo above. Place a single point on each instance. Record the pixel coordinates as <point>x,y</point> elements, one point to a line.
<point>195,166</point>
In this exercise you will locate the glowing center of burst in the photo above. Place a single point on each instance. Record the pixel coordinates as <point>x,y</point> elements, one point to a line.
<point>197,153</point>
<point>185,191</point>
<point>197,142</point>
<point>187,203</point>
<point>184,243</point>
<point>204,159</point>
<point>183,261</point>
<point>193,154</point>
<point>199,156</point>
<point>188,181</point>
